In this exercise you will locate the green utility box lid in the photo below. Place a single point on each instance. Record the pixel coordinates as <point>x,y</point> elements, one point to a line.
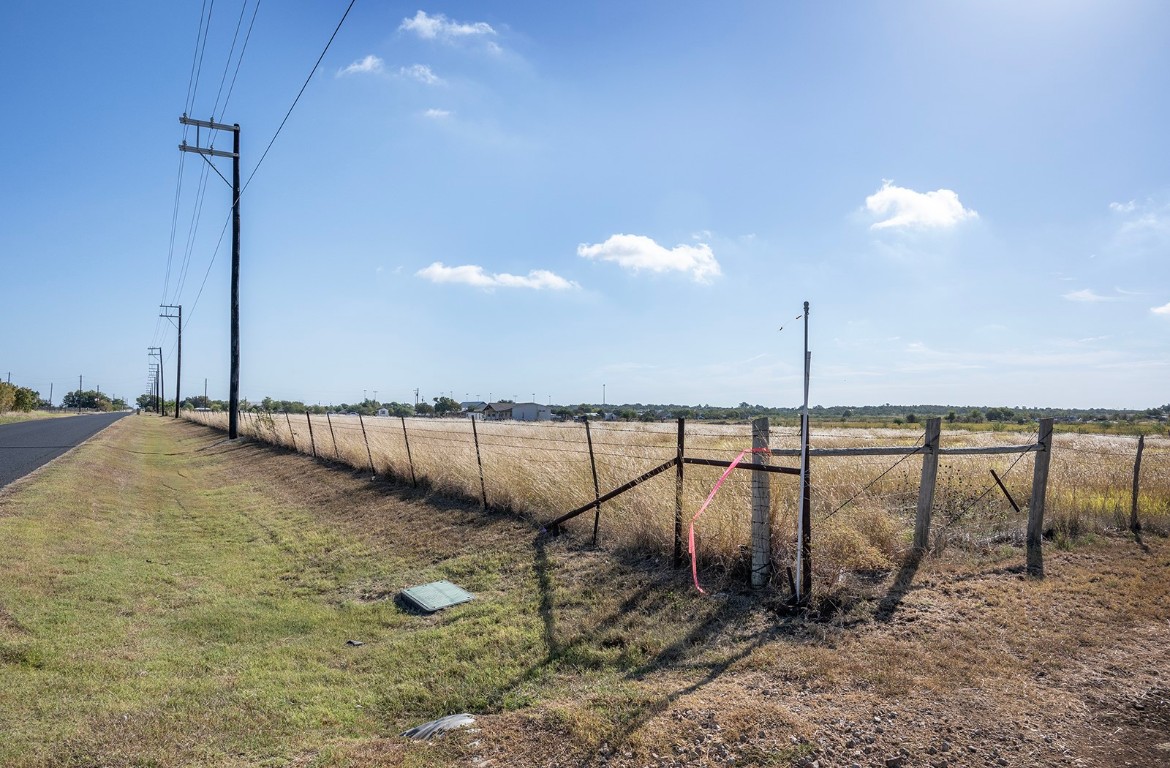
<point>436,595</point>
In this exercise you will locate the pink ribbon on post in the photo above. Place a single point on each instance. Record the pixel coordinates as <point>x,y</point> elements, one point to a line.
<point>702,509</point>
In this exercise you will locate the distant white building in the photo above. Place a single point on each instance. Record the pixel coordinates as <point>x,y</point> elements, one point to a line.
<point>517,412</point>
<point>382,412</point>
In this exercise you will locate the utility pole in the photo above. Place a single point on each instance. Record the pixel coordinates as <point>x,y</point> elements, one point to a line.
<point>159,397</point>
<point>205,392</point>
<point>416,397</point>
<point>78,393</point>
<point>50,394</point>
<point>234,383</point>
<point>179,361</point>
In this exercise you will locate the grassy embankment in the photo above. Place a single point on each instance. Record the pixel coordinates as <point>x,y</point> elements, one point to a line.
<point>169,599</point>
<point>11,417</point>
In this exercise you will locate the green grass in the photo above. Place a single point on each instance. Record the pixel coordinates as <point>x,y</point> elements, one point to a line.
<point>151,620</point>
<point>11,417</point>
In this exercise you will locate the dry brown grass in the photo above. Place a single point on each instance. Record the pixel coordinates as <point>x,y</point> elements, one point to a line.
<point>863,507</point>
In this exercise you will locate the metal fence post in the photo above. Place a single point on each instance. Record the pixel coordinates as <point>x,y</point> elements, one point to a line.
<point>678,494</point>
<point>312,440</point>
<point>1135,525</point>
<point>336,452</point>
<point>366,437</point>
<point>596,487</point>
<point>479,461</point>
<point>292,435</point>
<point>409,458</point>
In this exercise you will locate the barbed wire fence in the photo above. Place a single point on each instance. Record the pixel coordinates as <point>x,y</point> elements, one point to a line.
<point>868,500</point>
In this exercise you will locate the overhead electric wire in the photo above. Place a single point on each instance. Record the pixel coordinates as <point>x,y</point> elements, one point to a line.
<point>240,59</point>
<point>305,85</point>
<point>228,63</point>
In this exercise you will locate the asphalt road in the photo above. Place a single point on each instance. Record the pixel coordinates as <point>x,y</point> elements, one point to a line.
<point>26,445</point>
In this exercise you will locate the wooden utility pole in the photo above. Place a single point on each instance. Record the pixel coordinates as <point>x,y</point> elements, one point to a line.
<point>158,397</point>
<point>179,360</point>
<point>803,533</point>
<point>234,382</point>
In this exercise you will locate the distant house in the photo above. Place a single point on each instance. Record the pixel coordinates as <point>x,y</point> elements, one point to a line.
<point>517,412</point>
<point>472,408</point>
<point>382,412</point>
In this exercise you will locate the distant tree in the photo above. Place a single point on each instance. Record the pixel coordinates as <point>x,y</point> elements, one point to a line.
<point>400,409</point>
<point>911,418</point>
<point>91,399</point>
<point>648,415</point>
<point>118,404</point>
<point>975,416</point>
<point>7,397</point>
<point>951,417</point>
<point>424,409</point>
<point>446,405</point>
<point>26,399</point>
<point>627,414</point>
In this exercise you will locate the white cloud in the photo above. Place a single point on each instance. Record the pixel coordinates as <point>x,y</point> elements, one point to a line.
<point>1123,207</point>
<point>439,27</point>
<point>421,73</point>
<point>1087,295</point>
<point>471,274</point>
<point>902,208</point>
<point>437,114</point>
<point>1162,310</point>
<point>369,65</point>
<point>638,252</point>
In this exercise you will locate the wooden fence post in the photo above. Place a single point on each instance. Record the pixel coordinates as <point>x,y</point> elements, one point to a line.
<point>596,486</point>
<point>678,494</point>
<point>292,435</point>
<point>761,506</point>
<point>805,543</point>
<point>366,437</point>
<point>1036,507</point>
<point>1135,525</point>
<point>926,487</point>
<point>312,440</point>
<point>409,458</point>
<point>479,461</point>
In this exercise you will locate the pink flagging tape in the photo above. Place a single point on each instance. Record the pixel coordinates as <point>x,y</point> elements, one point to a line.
<point>702,509</point>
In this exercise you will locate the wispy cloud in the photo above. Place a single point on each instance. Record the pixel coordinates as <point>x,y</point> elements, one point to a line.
<point>1162,310</point>
<point>471,274</point>
<point>902,208</point>
<point>437,114</point>
<point>422,73</point>
<point>1087,295</point>
<point>439,27</point>
<point>638,252</point>
<point>1123,207</point>
<point>369,65</point>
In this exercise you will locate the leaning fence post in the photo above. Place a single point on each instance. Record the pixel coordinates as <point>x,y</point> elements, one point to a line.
<point>366,437</point>
<point>479,461</point>
<point>336,453</point>
<point>926,487</point>
<point>761,506</point>
<point>292,435</point>
<point>1135,525</point>
<point>596,487</point>
<point>1036,507</point>
<point>312,440</point>
<point>678,493</point>
<point>409,458</point>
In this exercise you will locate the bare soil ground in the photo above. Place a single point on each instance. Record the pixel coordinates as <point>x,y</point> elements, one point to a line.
<point>962,661</point>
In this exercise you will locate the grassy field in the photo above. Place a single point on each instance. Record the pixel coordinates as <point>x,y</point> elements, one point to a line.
<point>864,507</point>
<point>11,417</point>
<point>169,598</point>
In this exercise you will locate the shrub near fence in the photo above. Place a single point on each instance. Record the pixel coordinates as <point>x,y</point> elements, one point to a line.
<point>863,506</point>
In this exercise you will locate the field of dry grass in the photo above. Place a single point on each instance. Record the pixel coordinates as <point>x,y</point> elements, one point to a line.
<point>863,506</point>
<point>171,598</point>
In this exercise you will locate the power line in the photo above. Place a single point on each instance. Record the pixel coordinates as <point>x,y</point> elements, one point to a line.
<point>279,128</point>
<point>240,59</point>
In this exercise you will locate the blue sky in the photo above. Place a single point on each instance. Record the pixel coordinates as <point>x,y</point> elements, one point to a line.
<point>538,199</point>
